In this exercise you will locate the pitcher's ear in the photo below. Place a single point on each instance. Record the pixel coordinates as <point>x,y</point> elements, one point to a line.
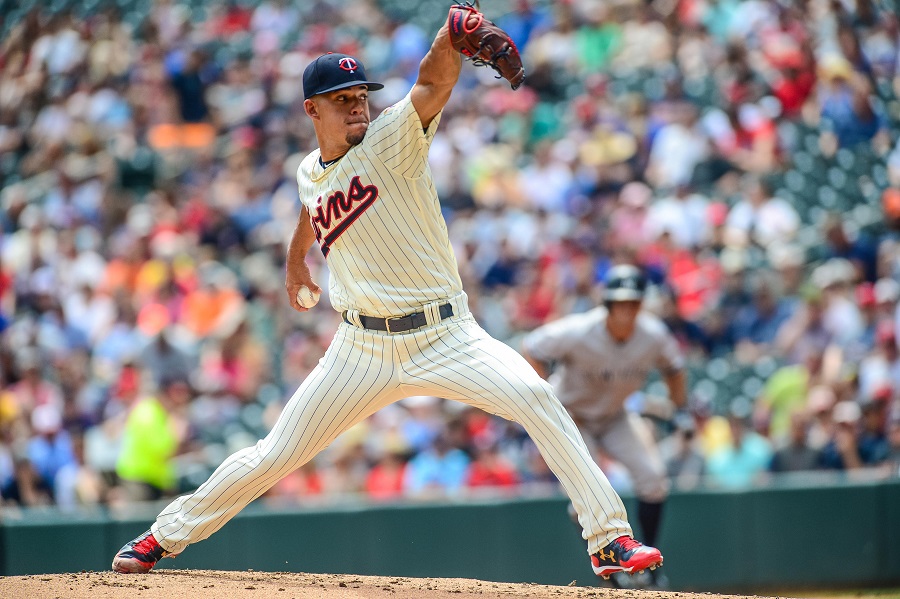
<point>311,109</point>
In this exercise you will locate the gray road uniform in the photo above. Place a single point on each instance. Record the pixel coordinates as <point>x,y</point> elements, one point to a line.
<point>594,374</point>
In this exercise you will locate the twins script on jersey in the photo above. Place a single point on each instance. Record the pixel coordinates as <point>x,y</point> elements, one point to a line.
<point>378,220</point>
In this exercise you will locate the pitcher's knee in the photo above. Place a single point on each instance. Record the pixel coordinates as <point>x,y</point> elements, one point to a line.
<point>539,394</point>
<point>269,457</point>
<point>525,402</point>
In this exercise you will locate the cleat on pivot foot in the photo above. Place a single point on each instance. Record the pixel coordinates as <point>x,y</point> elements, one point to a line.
<point>625,555</point>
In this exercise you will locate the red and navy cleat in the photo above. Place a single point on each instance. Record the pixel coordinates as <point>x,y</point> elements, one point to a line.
<point>139,555</point>
<point>625,555</point>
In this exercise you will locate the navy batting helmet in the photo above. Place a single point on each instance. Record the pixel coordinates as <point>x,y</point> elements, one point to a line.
<point>624,283</point>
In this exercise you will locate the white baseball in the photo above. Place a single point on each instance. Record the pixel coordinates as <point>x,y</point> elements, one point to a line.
<point>306,297</point>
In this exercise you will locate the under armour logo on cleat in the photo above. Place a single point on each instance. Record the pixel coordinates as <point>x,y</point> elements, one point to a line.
<point>610,557</point>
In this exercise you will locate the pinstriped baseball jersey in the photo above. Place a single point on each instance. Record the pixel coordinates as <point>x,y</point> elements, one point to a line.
<point>375,213</point>
<point>595,374</point>
<point>363,371</point>
<point>376,216</point>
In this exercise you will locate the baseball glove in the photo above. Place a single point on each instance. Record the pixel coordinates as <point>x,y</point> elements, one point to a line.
<point>484,43</point>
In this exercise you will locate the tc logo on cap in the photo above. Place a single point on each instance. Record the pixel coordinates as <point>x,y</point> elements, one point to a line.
<point>348,64</point>
<point>331,72</point>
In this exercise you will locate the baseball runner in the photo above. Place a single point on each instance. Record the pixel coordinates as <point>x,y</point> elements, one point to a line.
<point>602,357</point>
<point>370,202</point>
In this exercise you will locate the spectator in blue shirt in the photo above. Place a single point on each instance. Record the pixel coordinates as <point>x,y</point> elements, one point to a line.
<point>439,470</point>
<point>847,113</point>
<point>738,464</point>
<point>50,449</point>
<point>755,326</point>
<point>524,21</point>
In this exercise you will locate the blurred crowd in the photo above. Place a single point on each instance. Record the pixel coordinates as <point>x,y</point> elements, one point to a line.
<point>743,153</point>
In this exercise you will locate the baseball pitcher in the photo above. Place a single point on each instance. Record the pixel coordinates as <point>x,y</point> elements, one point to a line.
<point>370,202</point>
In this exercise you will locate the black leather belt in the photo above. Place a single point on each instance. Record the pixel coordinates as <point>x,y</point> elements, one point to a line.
<point>401,324</point>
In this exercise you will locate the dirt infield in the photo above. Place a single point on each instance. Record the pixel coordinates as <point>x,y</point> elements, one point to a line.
<point>207,584</point>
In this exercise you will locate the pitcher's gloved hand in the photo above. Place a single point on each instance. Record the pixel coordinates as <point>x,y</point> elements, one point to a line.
<point>485,44</point>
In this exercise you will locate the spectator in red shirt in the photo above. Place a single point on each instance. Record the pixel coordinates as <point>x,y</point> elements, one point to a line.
<point>385,479</point>
<point>793,87</point>
<point>490,469</point>
<point>235,19</point>
<point>751,143</point>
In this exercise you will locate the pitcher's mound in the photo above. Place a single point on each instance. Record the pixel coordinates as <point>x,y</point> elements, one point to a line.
<point>208,584</point>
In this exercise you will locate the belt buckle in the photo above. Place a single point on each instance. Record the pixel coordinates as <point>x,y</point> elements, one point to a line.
<point>387,326</point>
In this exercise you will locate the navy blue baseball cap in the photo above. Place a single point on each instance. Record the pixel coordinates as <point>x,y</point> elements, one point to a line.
<point>334,71</point>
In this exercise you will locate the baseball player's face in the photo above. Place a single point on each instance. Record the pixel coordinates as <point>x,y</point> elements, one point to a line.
<point>341,114</point>
<point>624,313</point>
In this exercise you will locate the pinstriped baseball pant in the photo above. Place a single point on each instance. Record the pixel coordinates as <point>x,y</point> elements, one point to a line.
<point>363,371</point>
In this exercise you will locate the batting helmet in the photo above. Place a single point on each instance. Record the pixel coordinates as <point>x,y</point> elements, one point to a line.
<point>624,283</point>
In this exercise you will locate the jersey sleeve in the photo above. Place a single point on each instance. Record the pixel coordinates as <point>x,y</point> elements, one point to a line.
<point>670,358</point>
<point>303,179</point>
<point>551,342</point>
<point>397,137</point>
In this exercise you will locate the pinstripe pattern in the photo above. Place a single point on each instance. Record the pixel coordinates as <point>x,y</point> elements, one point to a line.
<point>354,379</point>
<point>363,371</point>
<point>464,363</point>
<point>377,217</point>
<point>396,256</point>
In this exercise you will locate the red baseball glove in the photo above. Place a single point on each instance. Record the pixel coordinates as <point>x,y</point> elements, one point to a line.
<point>484,43</point>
